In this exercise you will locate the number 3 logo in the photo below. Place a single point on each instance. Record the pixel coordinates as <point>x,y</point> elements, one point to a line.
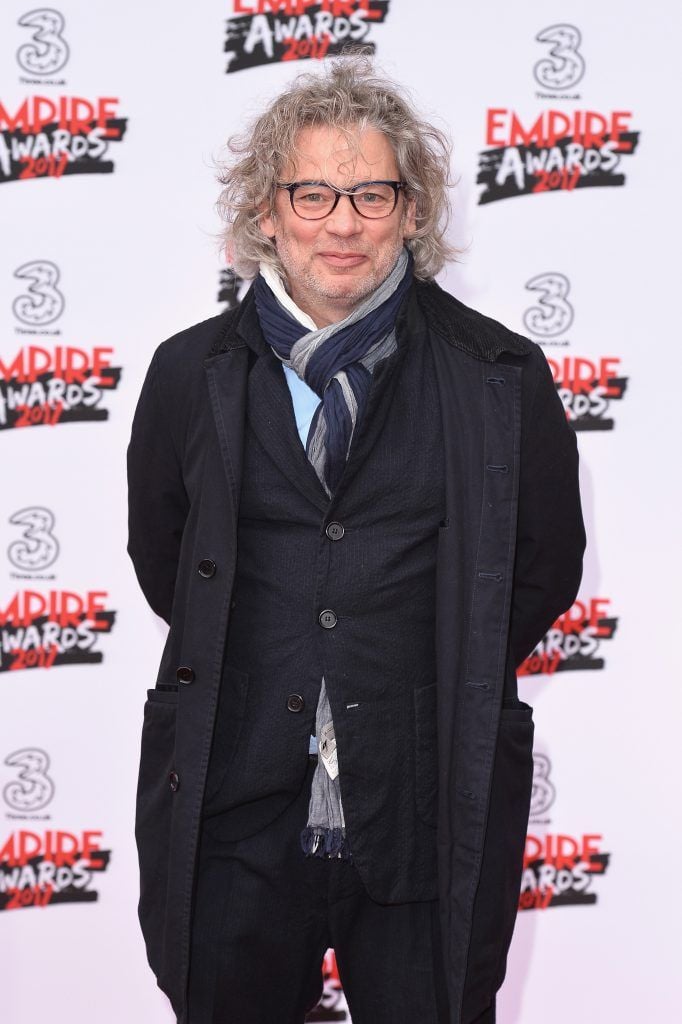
<point>38,547</point>
<point>543,792</point>
<point>48,52</point>
<point>43,303</point>
<point>565,66</point>
<point>554,313</point>
<point>33,789</point>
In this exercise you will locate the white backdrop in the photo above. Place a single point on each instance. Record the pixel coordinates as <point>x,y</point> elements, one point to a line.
<point>114,250</point>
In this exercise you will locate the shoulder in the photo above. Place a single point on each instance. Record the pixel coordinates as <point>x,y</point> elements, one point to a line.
<point>192,345</point>
<point>466,329</point>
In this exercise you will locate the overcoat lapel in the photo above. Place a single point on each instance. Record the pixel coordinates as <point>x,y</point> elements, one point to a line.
<point>226,377</point>
<point>213,519</point>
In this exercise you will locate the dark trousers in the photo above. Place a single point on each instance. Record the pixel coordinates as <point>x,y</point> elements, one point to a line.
<point>265,915</point>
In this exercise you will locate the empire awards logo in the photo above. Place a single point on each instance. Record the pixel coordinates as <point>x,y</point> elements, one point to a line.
<point>41,866</point>
<point>554,149</point>
<point>273,31</point>
<point>559,870</point>
<point>46,629</point>
<point>576,640</point>
<point>41,869</point>
<point>42,386</point>
<point>587,387</point>
<point>42,137</point>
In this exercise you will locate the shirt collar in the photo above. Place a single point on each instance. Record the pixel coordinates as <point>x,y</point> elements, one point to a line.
<point>274,281</point>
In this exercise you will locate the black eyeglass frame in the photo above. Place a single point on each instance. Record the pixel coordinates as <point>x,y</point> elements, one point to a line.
<point>291,186</point>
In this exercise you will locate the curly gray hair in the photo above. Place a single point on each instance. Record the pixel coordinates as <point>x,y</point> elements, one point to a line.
<point>347,95</point>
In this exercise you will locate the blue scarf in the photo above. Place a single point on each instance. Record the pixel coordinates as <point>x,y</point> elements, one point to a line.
<point>336,362</point>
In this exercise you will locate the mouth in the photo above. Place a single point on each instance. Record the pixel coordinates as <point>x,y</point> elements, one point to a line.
<point>342,259</point>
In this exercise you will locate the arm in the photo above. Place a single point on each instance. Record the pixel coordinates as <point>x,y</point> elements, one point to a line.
<point>550,532</point>
<point>157,500</point>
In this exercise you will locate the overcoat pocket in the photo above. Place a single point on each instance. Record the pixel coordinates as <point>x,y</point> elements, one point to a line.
<point>153,817</point>
<point>497,896</point>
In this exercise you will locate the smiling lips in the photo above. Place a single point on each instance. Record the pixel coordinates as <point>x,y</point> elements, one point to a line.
<point>343,259</point>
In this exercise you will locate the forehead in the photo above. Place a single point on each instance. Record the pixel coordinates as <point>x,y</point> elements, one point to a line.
<point>341,156</point>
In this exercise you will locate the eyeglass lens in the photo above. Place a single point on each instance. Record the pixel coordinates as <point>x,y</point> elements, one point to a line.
<point>372,200</point>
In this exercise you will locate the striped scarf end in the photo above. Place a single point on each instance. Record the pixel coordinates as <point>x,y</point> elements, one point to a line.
<point>327,843</point>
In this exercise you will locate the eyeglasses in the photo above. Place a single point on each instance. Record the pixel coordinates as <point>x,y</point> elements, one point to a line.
<point>313,200</point>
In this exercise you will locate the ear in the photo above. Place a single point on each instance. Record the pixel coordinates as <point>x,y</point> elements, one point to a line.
<point>410,217</point>
<point>267,221</point>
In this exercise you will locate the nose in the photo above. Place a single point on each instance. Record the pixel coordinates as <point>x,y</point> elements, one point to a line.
<point>344,220</point>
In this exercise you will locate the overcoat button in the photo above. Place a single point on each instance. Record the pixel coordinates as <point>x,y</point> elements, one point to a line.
<point>207,568</point>
<point>335,531</point>
<point>295,702</point>
<point>327,619</point>
<point>185,674</point>
<point>174,781</point>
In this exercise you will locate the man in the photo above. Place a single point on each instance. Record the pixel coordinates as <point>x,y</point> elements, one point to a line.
<point>355,502</point>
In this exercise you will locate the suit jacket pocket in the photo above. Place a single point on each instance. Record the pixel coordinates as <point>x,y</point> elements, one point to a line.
<point>497,896</point>
<point>426,754</point>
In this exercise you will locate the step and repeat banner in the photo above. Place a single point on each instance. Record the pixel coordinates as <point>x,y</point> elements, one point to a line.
<point>566,213</point>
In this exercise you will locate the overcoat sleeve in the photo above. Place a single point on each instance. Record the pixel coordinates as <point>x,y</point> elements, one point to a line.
<point>550,534</point>
<point>157,500</point>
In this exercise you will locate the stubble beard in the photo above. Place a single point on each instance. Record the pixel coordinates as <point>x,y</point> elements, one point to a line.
<point>342,292</point>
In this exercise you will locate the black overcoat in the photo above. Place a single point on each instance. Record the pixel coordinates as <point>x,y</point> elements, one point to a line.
<point>509,562</point>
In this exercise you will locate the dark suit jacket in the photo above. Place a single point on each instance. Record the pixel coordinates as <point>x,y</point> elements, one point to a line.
<point>509,562</point>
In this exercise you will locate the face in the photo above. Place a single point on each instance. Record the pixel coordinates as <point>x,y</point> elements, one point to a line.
<point>333,263</point>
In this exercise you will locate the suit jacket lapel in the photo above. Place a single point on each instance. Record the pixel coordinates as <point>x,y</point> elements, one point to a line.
<point>263,389</point>
<point>271,415</point>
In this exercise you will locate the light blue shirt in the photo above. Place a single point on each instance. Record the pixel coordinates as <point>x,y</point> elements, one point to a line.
<point>305,402</point>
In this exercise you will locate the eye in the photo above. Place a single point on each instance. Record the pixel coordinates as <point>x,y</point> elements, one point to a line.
<point>313,195</point>
<point>374,194</point>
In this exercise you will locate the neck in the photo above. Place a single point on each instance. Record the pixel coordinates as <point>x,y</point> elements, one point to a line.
<point>278,288</point>
<point>311,313</point>
<point>323,313</point>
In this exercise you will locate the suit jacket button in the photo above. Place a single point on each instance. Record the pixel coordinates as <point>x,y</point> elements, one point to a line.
<point>174,781</point>
<point>295,702</point>
<point>207,568</point>
<point>185,674</point>
<point>335,531</point>
<point>327,619</point>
